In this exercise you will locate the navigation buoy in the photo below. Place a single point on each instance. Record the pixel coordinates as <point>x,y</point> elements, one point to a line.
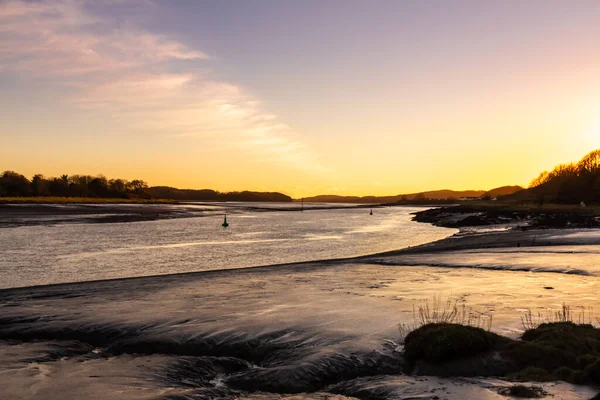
<point>371,213</point>
<point>225,224</point>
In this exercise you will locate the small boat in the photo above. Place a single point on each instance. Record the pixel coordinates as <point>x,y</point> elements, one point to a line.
<point>225,224</point>
<point>371,213</point>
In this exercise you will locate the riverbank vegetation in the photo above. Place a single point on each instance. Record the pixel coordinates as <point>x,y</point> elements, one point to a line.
<point>576,183</point>
<point>550,352</point>
<point>16,188</point>
<point>568,183</point>
<point>557,345</point>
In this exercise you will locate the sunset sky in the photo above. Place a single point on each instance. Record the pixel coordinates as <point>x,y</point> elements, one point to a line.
<point>304,97</point>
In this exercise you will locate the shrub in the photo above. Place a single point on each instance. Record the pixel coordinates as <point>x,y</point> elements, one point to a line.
<point>534,374</point>
<point>566,314</point>
<point>443,342</point>
<point>451,311</point>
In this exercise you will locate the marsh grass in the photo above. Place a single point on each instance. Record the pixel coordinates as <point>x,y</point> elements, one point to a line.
<point>449,311</point>
<point>556,345</point>
<point>576,315</point>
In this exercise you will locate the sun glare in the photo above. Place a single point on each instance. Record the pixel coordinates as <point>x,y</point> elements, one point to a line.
<point>592,136</point>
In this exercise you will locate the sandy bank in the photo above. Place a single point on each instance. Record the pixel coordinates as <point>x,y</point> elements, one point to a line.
<point>507,239</point>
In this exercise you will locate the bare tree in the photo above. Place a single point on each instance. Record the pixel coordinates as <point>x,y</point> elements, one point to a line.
<point>590,163</point>
<point>540,180</point>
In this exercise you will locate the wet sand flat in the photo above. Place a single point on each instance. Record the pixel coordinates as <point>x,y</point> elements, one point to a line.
<point>14,215</point>
<point>302,329</point>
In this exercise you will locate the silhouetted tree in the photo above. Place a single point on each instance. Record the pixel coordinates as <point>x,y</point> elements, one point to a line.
<point>17,185</point>
<point>540,180</point>
<point>14,184</point>
<point>137,185</point>
<point>59,186</point>
<point>118,187</point>
<point>40,186</point>
<point>570,183</point>
<point>98,187</point>
<point>596,190</point>
<point>590,164</point>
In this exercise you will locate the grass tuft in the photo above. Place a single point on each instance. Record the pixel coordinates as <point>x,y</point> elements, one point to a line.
<point>449,311</point>
<point>581,316</point>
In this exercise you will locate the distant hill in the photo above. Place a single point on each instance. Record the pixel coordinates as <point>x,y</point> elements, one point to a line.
<point>166,192</point>
<point>502,191</point>
<point>331,198</point>
<point>430,195</point>
<point>446,194</point>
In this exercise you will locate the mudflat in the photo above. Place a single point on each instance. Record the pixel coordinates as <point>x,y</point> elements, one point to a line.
<point>308,330</point>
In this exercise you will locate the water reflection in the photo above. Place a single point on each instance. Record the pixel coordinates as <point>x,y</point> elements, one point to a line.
<point>34,255</point>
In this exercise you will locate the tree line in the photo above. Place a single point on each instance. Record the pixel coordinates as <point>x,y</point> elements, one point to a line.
<point>570,183</point>
<point>13,184</point>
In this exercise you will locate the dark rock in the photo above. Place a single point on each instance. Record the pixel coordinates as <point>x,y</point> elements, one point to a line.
<point>524,392</point>
<point>490,363</point>
<point>473,220</point>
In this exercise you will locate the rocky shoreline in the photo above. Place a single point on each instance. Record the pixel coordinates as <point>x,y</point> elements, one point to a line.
<point>517,217</point>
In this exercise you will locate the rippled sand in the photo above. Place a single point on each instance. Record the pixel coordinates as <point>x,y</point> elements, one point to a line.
<point>299,331</point>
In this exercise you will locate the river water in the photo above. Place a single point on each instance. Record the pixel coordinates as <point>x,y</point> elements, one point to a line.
<point>297,331</point>
<point>74,252</point>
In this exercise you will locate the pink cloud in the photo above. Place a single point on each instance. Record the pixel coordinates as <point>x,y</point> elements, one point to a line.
<point>123,73</point>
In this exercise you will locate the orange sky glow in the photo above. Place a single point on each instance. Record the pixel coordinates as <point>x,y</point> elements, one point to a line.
<point>366,99</point>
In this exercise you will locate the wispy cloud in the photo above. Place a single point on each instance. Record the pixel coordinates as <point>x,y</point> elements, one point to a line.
<point>125,73</point>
